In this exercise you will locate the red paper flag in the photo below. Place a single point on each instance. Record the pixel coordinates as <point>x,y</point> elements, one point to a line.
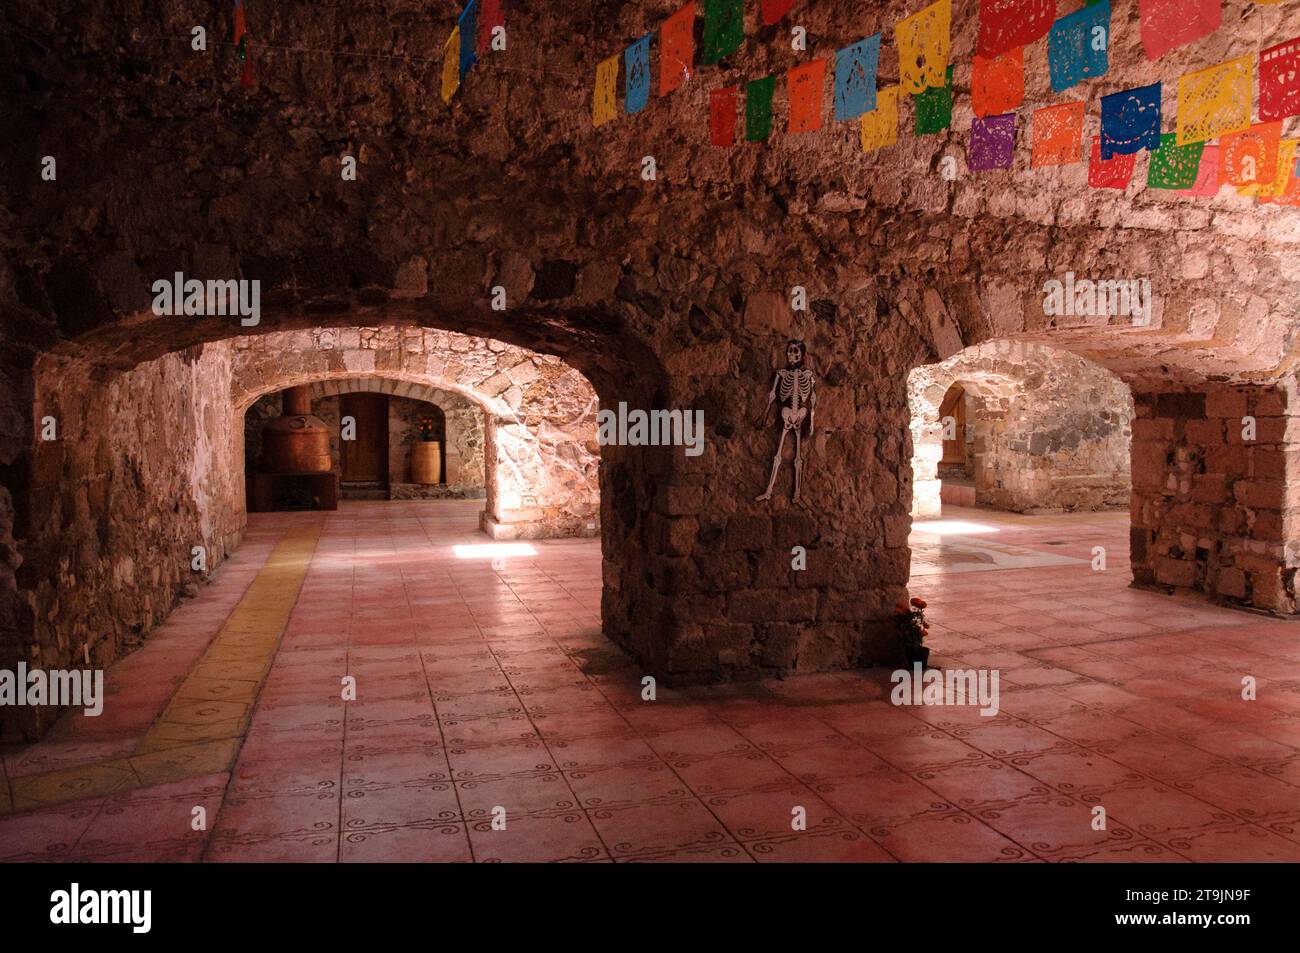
<point>722,116</point>
<point>805,87</point>
<point>490,16</point>
<point>1006,24</point>
<point>1249,157</point>
<point>244,41</point>
<point>1170,23</point>
<point>997,84</point>
<point>1112,173</point>
<point>676,49</point>
<point>774,10</point>
<point>1279,81</point>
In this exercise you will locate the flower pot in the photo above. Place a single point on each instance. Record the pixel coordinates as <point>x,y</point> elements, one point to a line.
<point>919,653</point>
<point>426,461</point>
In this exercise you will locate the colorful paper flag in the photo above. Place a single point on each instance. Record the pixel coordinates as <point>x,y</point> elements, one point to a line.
<point>855,78</point>
<point>1170,23</point>
<point>1207,176</point>
<point>1130,121</point>
<point>637,75</point>
<point>676,49</point>
<point>722,116</point>
<point>1077,47</point>
<point>451,65</point>
<point>1215,101</point>
<point>758,108</point>
<point>934,108</point>
<point>724,28</point>
<point>1279,81</point>
<point>467,27</point>
<point>604,99</point>
<point>880,126</point>
<point>1173,166</point>
<point>1277,186</point>
<point>1250,157</point>
<point>805,91</point>
<point>924,41</point>
<point>491,16</point>
<point>1006,24</point>
<point>997,85</point>
<point>1056,132</point>
<point>774,10</point>
<point>992,143</point>
<point>1113,173</point>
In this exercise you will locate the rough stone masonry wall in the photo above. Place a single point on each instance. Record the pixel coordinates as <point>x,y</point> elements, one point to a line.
<point>1214,511</point>
<point>144,468</point>
<point>541,456</point>
<point>1046,429</point>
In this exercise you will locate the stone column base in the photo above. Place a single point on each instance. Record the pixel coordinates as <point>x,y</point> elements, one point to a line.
<point>545,528</point>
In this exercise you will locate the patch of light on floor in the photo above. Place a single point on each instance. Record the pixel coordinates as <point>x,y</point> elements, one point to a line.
<point>493,550</point>
<point>953,528</point>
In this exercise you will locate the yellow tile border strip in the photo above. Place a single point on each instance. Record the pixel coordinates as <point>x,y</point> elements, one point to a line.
<point>200,729</point>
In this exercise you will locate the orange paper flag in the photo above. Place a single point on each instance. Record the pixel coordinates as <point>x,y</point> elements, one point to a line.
<point>1056,133</point>
<point>805,89</point>
<point>1250,157</point>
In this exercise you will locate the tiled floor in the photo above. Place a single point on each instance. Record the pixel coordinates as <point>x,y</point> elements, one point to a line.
<point>486,686</point>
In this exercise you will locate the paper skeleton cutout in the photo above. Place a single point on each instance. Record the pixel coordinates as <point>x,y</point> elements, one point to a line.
<point>796,387</point>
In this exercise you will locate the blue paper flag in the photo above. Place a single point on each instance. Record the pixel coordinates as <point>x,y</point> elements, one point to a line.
<point>1130,121</point>
<point>855,78</point>
<point>637,60</point>
<point>468,23</point>
<point>1078,46</point>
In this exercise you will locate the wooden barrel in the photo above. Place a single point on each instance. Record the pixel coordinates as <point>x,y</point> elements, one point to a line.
<point>426,461</point>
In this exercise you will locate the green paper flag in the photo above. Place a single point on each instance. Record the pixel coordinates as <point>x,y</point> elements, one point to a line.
<point>934,107</point>
<point>758,108</point>
<point>1173,166</point>
<point>724,28</point>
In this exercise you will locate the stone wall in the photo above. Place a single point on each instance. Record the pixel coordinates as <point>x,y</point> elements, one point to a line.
<point>145,466</point>
<point>1216,491</point>
<point>1046,430</point>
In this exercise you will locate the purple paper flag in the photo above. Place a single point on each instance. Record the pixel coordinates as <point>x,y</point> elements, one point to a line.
<point>992,143</point>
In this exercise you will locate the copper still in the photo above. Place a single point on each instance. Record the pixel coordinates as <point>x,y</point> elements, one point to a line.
<point>296,441</point>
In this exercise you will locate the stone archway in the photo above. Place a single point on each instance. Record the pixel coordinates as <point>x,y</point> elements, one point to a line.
<point>543,461</point>
<point>1047,430</point>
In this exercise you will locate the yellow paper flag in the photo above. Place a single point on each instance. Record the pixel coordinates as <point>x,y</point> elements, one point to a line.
<point>924,41</point>
<point>451,65</point>
<point>1215,101</point>
<point>604,99</point>
<point>880,126</point>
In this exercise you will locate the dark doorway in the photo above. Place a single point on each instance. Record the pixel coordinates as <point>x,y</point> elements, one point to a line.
<point>365,459</point>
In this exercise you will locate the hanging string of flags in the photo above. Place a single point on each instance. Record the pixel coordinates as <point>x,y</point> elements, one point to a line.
<point>479,28</point>
<point>475,33</point>
<point>1214,103</point>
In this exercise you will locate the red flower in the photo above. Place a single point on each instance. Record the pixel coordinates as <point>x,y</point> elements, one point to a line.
<point>919,602</point>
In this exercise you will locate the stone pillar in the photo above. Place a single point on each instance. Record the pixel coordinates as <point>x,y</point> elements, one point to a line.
<point>927,439</point>
<point>700,579</point>
<point>1216,491</point>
